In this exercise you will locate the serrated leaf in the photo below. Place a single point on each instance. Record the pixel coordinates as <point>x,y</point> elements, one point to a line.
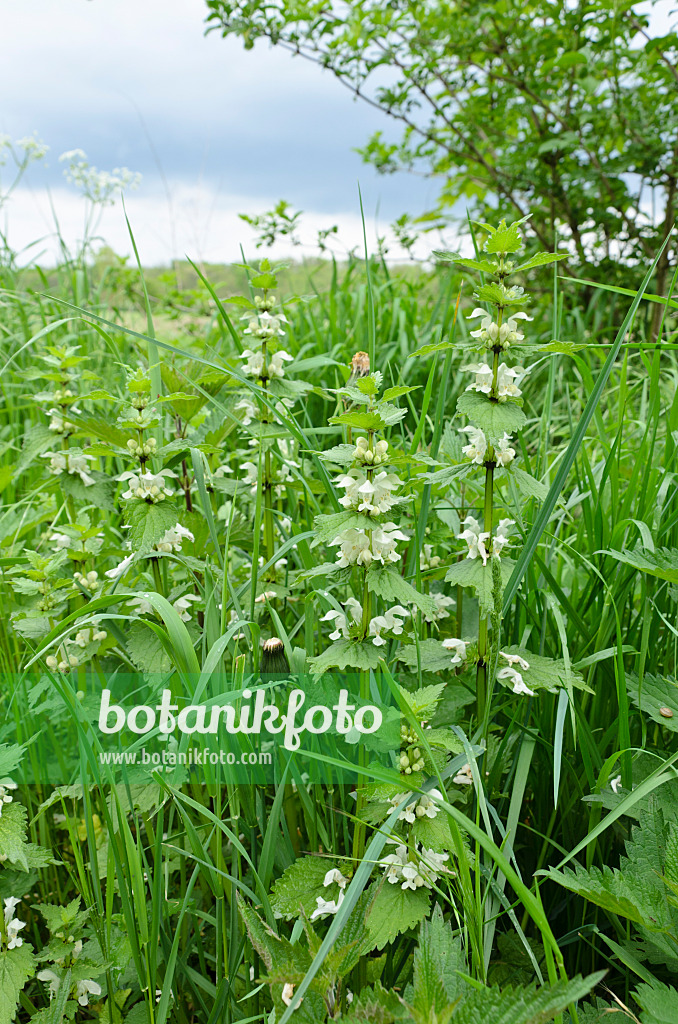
<point>429,655</point>
<point>376,1005</point>
<point>527,485</point>
<point>327,527</point>
<point>522,1005</point>
<point>471,572</point>
<point>398,391</point>
<point>346,654</point>
<point>505,238</point>
<point>13,834</point>
<point>38,439</point>
<point>544,673</point>
<point>299,886</point>
<point>340,455</point>
<point>361,420</point>
<point>393,910</point>
<point>424,701</point>
<point>658,1002</point>
<point>663,563</point>
<point>11,756</point>
<point>495,418</point>
<point>145,648</point>
<point>540,260</point>
<point>438,958</point>
<point>657,693</point>
<point>427,350</point>
<point>390,585</point>
<point>16,967</point>
<point>149,522</point>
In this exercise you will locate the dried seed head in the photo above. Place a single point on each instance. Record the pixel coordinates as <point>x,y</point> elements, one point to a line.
<point>273,658</point>
<point>666,712</point>
<point>360,366</point>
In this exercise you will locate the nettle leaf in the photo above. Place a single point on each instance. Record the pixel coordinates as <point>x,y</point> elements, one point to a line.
<point>16,967</point>
<point>37,440</point>
<point>544,673</point>
<point>376,1005</point>
<point>391,414</point>
<point>500,295</point>
<point>361,420</point>
<point>299,886</point>
<point>145,648</point>
<point>605,887</point>
<point>149,522</point>
<point>528,486</point>
<point>100,493</point>
<point>393,910</point>
<point>427,350</point>
<point>429,655</point>
<point>327,527</point>
<point>11,756</point>
<point>438,959</point>
<point>663,563</point>
<point>13,834</point>
<point>444,477</point>
<point>658,1002</point>
<point>523,1005</point>
<point>505,238</point>
<point>424,701</point>
<point>540,260</point>
<point>340,455</point>
<point>346,654</point>
<point>471,572</point>
<point>390,585</point>
<point>657,694</point>
<point>495,418</point>
<point>397,392</point>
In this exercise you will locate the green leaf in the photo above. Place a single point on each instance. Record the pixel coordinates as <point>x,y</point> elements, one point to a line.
<point>397,392</point>
<point>505,238</point>
<point>663,563</point>
<point>376,1005</point>
<point>13,834</point>
<point>427,350</point>
<point>390,585</point>
<point>393,910</point>
<point>494,418</point>
<point>540,260</point>
<point>521,1005</point>
<point>346,654</point>
<point>38,439</point>
<point>149,522</point>
<point>340,455</point>
<point>438,960</point>
<point>145,648</point>
<point>527,485</point>
<point>327,527</point>
<point>361,420</point>
<point>429,654</point>
<point>656,693</point>
<point>544,673</point>
<point>11,756</point>
<point>658,1002</point>
<point>471,572</point>
<point>299,886</point>
<point>16,967</point>
<point>424,701</point>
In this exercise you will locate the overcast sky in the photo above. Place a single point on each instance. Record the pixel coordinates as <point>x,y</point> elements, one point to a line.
<point>214,130</point>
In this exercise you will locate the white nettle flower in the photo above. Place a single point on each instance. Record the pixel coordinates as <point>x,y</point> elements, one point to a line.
<point>254,362</point>
<point>376,495</point>
<point>141,606</point>
<point>151,487</point>
<point>475,538</point>
<point>383,543</point>
<point>6,787</point>
<point>120,569</point>
<point>74,463</point>
<point>477,446</point>
<point>182,606</point>
<point>427,560</point>
<point>515,659</point>
<point>484,377</point>
<point>60,541</point>
<point>459,648</point>
<point>425,807</point>
<point>287,994</point>
<point>507,381</point>
<point>391,621</point>
<point>442,603</point>
<point>353,611</point>
<point>12,924</point>
<point>276,367</point>
<point>52,979</point>
<point>171,539</point>
<point>503,453</point>
<point>500,538</point>
<point>325,907</point>
<point>252,474</point>
<point>264,325</point>
<point>88,581</point>
<point>464,776</point>
<point>335,875</point>
<point>493,335</point>
<point>516,680</point>
<point>394,864</point>
<point>615,784</point>
<point>92,635</point>
<point>85,989</point>
<point>249,411</point>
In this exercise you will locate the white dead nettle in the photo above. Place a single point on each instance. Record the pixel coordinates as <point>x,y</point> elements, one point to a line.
<point>142,606</point>
<point>373,496</point>
<point>75,463</point>
<point>503,452</point>
<point>370,456</point>
<point>500,538</point>
<point>355,547</point>
<point>494,336</point>
<point>335,875</point>
<point>459,648</point>
<point>425,807</point>
<point>85,989</point>
<point>615,784</point>
<point>171,540</point>
<point>507,380</point>
<point>92,635</point>
<point>264,326</point>
<point>325,907</point>
<point>58,423</point>
<point>120,569</point>
<point>475,538</point>
<point>182,606</point>
<point>88,581</point>
<point>54,981</point>
<point>391,621</point>
<point>12,924</point>
<point>6,787</point>
<point>477,446</point>
<point>464,776</point>
<point>60,541</point>
<point>516,680</point>
<point>411,761</point>
<point>249,411</point>
<point>287,994</point>
<point>65,661</point>
<point>442,603</point>
<point>515,659</point>
<point>427,560</point>
<point>150,487</point>
<point>424,870</point>
<point>353,610</point>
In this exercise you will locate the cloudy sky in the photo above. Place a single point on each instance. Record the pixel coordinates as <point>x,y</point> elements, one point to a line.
<point>214,130</point>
